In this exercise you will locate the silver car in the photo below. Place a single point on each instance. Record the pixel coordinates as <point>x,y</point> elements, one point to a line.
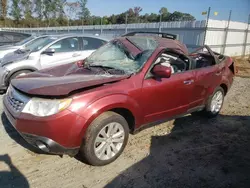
<point>45,53</point>
<point>19,45</point>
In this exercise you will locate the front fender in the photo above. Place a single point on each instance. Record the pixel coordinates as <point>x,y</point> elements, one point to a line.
<point>93,110</point>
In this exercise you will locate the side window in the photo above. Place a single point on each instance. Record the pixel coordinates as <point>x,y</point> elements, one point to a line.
<point>92,43</point>
<point>202,58</point>
<point>66,45</point>
<point>175,61</point>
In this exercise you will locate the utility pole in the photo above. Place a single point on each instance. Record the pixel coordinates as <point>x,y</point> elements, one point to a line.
<point>206,27</point>
<point>82,25</point>
<point>160,21</point>
<point>246,36</point>
<point>126,22</point>
<point>68,24</point>
<point>101,24</point>
<point>226,33</point>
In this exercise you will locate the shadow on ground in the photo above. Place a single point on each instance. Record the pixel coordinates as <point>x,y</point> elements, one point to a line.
<point>13,177</point>
<point>197,153</point>
<point>10,130</point>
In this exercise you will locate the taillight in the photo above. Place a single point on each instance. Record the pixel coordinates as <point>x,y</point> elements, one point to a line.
<point>233,68</point>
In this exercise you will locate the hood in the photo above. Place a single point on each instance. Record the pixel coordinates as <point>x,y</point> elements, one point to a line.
<point>14,56</point>
<point>46,84</point>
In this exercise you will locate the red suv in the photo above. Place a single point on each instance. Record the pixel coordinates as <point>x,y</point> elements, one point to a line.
<point>133,81</point>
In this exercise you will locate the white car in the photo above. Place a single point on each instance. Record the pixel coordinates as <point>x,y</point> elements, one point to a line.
<point>5,49</point>
<point>45,53</point>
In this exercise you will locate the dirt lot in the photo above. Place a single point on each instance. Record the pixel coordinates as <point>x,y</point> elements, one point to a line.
<point>187,152</point>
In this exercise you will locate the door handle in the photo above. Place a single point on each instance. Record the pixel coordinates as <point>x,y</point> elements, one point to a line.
<point>218,73</point>
<point>75,55</point>
<point>188,82</point>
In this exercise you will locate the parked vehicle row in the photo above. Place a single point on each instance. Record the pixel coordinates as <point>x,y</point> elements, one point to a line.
<point>10,38</point>
<point>90,106</point>
<point>19,45</point>
<point>43,52</point>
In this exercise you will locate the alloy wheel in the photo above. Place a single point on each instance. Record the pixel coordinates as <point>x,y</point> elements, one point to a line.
<point>109,141</point>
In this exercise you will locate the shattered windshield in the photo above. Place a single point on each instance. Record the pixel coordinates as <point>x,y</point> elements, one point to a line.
<point>115,55</point>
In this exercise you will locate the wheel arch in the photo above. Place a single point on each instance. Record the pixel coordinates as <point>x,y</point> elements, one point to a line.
<point>13,71</point>
<point>224,87</point>
<point>119,103</point>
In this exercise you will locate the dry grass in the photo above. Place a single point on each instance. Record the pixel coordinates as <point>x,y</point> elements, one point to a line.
<point>243,66</point>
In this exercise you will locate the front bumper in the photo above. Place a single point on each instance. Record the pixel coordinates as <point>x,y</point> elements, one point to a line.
<point>57,134</point>
<point>48,145</point>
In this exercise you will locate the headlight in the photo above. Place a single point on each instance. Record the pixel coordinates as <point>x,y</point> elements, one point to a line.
<point>46,107</point>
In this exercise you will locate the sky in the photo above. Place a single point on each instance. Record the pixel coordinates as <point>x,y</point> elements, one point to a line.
<point>240,8</point>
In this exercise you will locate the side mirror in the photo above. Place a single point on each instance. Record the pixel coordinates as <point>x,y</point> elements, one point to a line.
<point>162,71</point>
<point>49,51</point>
<point>80,63</point>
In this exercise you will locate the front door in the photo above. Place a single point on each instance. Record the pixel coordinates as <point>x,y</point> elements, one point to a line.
<point>164,98</point>
<point>66,51</point>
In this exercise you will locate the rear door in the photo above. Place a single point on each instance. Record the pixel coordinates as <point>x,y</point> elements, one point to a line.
<point>67,50</point>
<point>208,77</point>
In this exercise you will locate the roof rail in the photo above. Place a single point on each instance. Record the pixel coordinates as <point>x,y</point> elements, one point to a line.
<point>163,35</point>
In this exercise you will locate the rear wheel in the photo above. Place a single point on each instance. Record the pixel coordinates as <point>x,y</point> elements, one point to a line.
<point>105,139</point>
<point>214,103</point>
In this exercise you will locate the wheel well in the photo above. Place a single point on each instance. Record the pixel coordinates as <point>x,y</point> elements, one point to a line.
<point>9,76</point>
<point>127,115</point>
<point>224,87</point>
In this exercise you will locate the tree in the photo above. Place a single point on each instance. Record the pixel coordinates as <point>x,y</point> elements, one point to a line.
<point>53,13</point>
<point>134,14</point>
<point>179,16</point>
<point>39,9</point>
<point>112,19</point>
<point>153,17</point>
<point>187,17</point>
<point>27,8</point>
<point>3,9</point>
<point>50,10</point>
<point>164,13</point>
<point>84,13</point>
<point>137,11</point>
<point>16,11</point>
<point>121,18</point>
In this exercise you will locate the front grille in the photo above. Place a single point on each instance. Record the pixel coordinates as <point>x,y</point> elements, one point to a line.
<point>16,100</point>
<point>17,105</point>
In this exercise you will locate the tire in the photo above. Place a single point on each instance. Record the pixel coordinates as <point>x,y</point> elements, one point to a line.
<point>90,146</point>
<point>209,110</point>
<point>18,73</point>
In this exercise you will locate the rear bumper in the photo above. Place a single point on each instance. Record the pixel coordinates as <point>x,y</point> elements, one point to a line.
<point>60,134</point>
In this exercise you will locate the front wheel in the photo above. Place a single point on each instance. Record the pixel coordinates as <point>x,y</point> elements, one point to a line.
<point>105,139</point>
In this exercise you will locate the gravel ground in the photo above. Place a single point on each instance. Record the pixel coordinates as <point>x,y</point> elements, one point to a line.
<point>186,152</point>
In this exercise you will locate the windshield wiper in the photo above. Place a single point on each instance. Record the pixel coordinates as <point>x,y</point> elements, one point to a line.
<point>104,68</point>
<point>101,66</point>
<point>21,51</point>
